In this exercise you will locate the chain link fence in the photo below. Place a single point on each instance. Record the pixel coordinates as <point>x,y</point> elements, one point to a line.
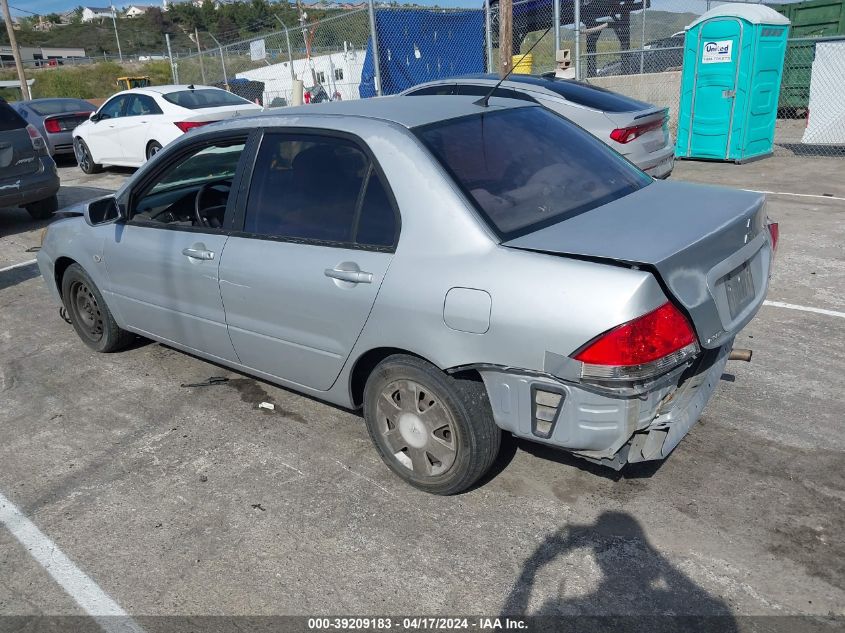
<point>635,47</point>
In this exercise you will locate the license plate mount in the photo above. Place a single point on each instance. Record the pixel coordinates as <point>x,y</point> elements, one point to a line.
<point>739,288</point>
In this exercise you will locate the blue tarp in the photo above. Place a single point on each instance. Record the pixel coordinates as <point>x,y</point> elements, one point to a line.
<point>418,45</point>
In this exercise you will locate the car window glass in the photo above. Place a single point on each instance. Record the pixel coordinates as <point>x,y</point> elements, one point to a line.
<point>9,119</point>
<point>377,223</point>
<point>204,98</point>
<point>48,107</point>
<point>526,167</point>
<point>476,90</point>
<point>140,105</point>
<point>113,108</point>
<point>440,89</point>
<point>172,197</point>
<point>306,187</point>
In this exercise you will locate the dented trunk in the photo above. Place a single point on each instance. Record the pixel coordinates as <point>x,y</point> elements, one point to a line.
<point>709,247</point>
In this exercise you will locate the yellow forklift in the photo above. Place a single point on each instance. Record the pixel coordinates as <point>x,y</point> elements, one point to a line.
<point>126,83</point>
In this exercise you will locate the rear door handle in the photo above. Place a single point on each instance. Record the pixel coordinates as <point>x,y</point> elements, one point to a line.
<point>352,276</point>
<point>198,253</point>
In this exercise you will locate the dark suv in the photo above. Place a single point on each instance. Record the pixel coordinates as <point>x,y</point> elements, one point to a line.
<point>28,176</point>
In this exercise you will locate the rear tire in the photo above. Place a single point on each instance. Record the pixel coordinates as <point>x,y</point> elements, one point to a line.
<point>84,159</point>
<point>152,149</point>
<point>433,430</point>
<point>89,314</point>
<point>43,209</point>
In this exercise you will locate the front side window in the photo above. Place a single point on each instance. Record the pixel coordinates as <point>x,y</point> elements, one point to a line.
<point>114,108</point>
<point>526,168</point>
<point>318,188</point>
<point>193,192</point>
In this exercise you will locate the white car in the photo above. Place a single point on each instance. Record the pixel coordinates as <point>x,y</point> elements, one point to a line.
<point>134,124</point>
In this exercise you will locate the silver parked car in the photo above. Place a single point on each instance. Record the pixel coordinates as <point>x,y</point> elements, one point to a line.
<point>639,131</point>
<point>55,119</point>
<point>455,270</point>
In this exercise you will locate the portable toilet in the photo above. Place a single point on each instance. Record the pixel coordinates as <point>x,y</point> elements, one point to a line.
<point>733,64</point>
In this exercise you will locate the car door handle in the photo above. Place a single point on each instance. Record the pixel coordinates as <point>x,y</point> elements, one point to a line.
<point>198,253</point>
<point>352,276</point>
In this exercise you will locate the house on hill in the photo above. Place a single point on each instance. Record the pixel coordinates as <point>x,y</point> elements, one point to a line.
<point>96,13</point>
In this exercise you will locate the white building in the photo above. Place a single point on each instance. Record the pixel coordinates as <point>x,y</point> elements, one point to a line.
<point>338,73</point>
<point>134,10</point>
<point>96,13</point>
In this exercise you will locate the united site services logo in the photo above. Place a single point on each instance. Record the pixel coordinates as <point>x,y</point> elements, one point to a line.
<point>716,52</point>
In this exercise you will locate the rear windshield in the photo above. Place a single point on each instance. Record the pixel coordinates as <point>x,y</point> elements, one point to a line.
<point>204,98</point>
<point>60,106</point>
<point>527,168</point>
<point>593,96</point>
<point>9,119</point>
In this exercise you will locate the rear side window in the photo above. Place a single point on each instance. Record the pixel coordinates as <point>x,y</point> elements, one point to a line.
<point>527,168</point>
<point>318,188</point>
<point>204,98</point>
<point>440,89</point>
<point>9,119</point>
<point>140,105</point>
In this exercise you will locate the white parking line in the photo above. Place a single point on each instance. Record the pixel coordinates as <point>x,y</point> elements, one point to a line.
<point>792,306</point>
<point>21,265</point>
<point>799,195</point>
<point>84,591</point>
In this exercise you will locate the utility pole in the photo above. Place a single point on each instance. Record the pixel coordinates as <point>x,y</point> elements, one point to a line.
<point>13,42</point>
<point>116,36</point>
<point>577,40</point>
<point>506,36</point>
<point>199,51</point>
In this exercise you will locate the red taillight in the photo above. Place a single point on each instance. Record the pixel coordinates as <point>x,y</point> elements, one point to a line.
<point>190,125</point>
<point>35,138</point>
<point>644,341</point>
<point>627,134</point>
<point>774,231</point>
<point>52,126</point>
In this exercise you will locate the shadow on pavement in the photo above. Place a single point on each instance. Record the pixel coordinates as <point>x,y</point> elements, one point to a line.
<point>17,220</point>
<point>639,586</point>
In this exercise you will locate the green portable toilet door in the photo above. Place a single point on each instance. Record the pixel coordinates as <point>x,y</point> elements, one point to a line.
<point>714,91</point>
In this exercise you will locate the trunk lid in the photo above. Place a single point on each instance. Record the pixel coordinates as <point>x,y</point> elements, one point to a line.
<point>708,245</point>
<point>221,113</point>
<point>65,122</point>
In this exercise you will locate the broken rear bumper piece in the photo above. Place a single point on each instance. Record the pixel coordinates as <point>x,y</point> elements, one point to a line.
<point>608,425</point>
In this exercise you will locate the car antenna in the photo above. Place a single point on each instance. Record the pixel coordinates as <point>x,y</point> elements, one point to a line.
<point>191,87</point>
<point>483,102</point>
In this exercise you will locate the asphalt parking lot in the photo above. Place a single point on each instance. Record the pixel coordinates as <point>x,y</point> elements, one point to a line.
<point>174,500</point>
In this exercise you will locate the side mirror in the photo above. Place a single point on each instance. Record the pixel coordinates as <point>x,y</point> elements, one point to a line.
<point>104,211</point>
<point>94,117</point>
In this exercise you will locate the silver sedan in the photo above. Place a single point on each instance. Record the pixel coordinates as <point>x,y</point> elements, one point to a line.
<point>455,270</point>
<point>637,130</point>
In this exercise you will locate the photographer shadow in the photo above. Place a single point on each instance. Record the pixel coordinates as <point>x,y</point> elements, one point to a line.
<point>639,586</point>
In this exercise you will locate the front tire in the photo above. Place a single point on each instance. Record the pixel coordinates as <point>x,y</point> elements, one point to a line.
<point>433,430</point>
<point>43,209</point>
<point>152,149</point>
<point>84,159</point>
<point>89,314</point>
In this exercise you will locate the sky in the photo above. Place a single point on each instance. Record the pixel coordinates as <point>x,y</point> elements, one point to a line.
<point>28,7</point>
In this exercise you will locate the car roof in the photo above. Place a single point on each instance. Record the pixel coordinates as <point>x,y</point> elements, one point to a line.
<point>402,111</point>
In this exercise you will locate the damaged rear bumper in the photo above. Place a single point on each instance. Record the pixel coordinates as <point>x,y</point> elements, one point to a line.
<point>609,426</point>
